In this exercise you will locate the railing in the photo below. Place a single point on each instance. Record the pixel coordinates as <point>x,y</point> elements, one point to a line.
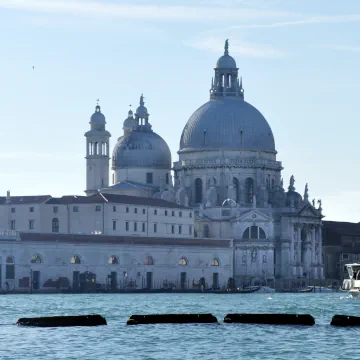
<point>9,235</point>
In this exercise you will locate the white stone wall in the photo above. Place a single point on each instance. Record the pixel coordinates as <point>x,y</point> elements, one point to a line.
<point>84,219</point>
<point>56,258</point>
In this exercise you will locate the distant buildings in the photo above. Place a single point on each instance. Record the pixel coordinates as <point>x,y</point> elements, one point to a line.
<point>341,246</point>
<point>224,216</point>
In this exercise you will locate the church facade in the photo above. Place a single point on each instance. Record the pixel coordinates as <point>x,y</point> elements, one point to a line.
<point>220,211</point>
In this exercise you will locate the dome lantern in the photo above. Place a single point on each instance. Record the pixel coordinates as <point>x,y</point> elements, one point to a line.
<point>226,81</point>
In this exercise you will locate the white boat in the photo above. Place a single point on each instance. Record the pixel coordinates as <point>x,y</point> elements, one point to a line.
<point>352,285</point>
<point>317,289</point>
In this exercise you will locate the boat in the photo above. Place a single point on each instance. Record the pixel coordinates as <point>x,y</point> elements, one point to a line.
<point>316,289</point>
<point>245,290</point>
<point>352,285</point>
<point>261,289</point>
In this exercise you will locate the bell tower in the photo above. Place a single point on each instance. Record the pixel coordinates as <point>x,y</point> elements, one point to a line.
<point>97,153</point>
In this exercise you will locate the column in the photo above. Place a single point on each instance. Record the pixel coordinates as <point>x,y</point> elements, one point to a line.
<point>299,250</point>
<point>292,248</point>
<point>320,258</point>
<point>313,252</point>
<point>307,252</point>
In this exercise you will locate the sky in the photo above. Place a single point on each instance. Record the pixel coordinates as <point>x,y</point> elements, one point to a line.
<point>299,60</point>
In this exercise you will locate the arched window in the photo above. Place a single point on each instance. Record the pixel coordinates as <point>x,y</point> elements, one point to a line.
<point>36,259</point>
<point>272,183</point>
<point>113,260</point>
<point>55,225</point>
<point>215,262</point>
<point>183,261</point>
<point>198,191</point>
<point>254,233</point>
<point>76,259</point>
<point>206,231</point>
<point>149,261</point>
<point>236,187</point>
<point>249,190</point>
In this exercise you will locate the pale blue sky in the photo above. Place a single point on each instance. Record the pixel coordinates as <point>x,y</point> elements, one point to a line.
<point>299,60</point>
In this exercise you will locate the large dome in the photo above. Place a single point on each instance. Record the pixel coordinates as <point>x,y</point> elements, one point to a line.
<point>227,123</point>
<point>141,149</point>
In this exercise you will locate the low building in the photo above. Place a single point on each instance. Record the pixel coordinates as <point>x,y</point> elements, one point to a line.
<point>54,262</point>
<point>341,246</point>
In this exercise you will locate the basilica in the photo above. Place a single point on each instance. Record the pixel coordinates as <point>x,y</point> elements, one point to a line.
<point>219,214</point>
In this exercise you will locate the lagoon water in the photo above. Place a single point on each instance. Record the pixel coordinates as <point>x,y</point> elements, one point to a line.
<point>201,341</point>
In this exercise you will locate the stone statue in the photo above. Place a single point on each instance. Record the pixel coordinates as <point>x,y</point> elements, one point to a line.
<point>320,203</point>
<point>292,182</point>
<point>282,183</point>
<point>253,255</point>
<point>142,100</point>
<point>211,194</point>
<point>306,193</point>
<point>226,46</point>
<point>231,193</point>
<point>313,202</point>
<point>181,191</point>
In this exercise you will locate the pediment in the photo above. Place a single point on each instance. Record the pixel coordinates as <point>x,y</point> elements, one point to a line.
<point>254,215</point>
<point>308,211</point>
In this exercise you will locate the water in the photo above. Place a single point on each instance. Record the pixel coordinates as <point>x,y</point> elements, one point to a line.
<point>193,341</point>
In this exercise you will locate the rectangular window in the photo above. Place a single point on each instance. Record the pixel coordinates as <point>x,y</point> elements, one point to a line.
<point>135,226</point>
<point>13,210</point>
<point>127,226</point>
<point>97,208</point>
<point>190,214</point>
<point>31,209</point>
<point>180,214</point>
<point>264,259</point>
<point>127,209</point>
<point>10,272</point>
<point>180,229</point>
<point>76,209</point>
<point>143,227</point>
<point>31,224</point>
<point>190,230</point>
<point>12,225</point>
<point>155,228</point>
<point>165,212</point>
<point>173,213</point>
<point>149,178</point>
<point>345,256</point>
<point>114,225</point>
<point>144,211</point>
<point>155,212</point>
<point>55,209</point>
<point>135,210</point>
<point>172,229</point>
<point>114,208</point>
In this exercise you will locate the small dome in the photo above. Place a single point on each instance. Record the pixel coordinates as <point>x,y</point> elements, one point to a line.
<point>141,111</point>
<point>227,123</point>
<point>98,117</point>
<point>226,62</point>
<point>129,122</point>
<point>293,198</point>
<point>141,149</point>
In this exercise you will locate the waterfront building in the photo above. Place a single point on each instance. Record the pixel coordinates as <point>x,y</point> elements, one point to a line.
<point>223,216</point>
<point>341,247</point>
